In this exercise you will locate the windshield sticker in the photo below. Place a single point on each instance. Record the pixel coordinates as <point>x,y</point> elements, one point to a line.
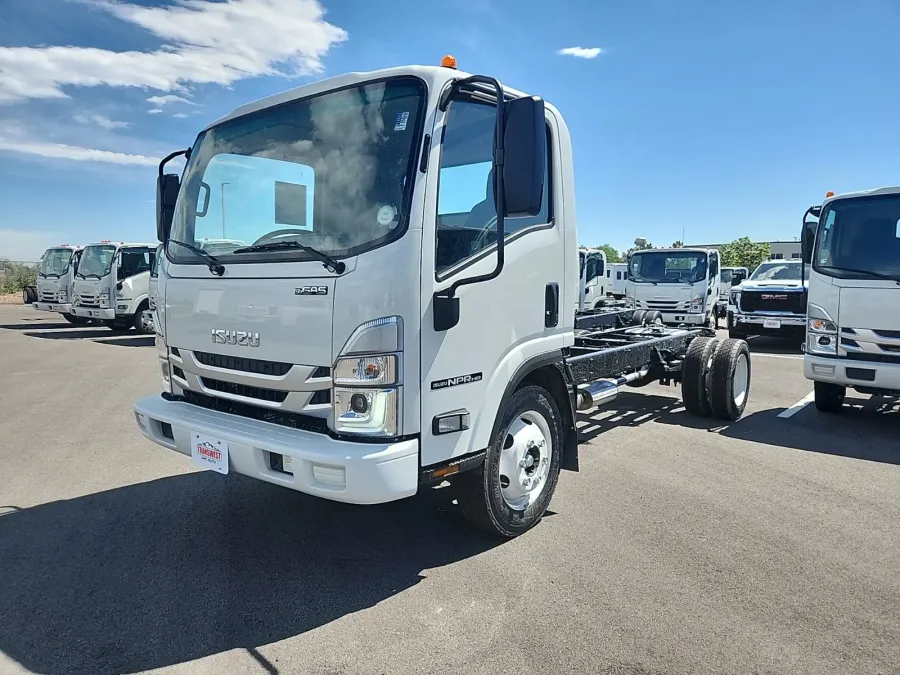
<point>386,215</point>
<point>402,120</point>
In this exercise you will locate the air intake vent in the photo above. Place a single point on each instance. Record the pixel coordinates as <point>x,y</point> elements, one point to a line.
<point>285,419</point>
<point>269,395</point>
<point>273,368</point>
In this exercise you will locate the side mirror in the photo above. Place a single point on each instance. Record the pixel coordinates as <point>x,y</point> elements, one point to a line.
<point>167,186</point>
<point>807,240</point>
<point>737,278</point>
<point>525,156</point>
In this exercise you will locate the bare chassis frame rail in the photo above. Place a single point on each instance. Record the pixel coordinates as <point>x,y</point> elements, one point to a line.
<point>608,345</point>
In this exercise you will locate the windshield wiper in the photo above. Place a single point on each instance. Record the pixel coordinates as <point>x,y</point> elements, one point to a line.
<point>877,275</point>
<point>329,263</point>
<point>85,276</point>
<point>212,262</point>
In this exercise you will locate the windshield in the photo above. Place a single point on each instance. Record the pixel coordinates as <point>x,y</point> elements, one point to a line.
<point>726,275</point>
<point>96,260</point>
<point>859,235</point>
<point>667,267</point>
<point>778,271</point>
<point>56,262</point>
<point>331,171</point>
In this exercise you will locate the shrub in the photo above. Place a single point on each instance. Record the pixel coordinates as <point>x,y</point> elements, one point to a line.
<point>16,276</point>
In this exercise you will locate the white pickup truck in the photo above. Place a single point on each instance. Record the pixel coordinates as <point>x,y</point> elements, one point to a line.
<point>771,302</point>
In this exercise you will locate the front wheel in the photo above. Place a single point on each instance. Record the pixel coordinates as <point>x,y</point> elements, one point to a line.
<point>511,491</point>
<point>829,397</point>
<point>76,320</point>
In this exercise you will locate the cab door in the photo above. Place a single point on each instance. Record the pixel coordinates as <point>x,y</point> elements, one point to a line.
<point>502,322</point>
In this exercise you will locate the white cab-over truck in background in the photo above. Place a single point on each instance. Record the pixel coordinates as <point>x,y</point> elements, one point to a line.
<point>680,283</point>
<point>616,279</point>
<point>404,313</point>
<point>56,280</point>
<point>592,264</point>
<point>851,244</point>
<point>729,277</point>
<point>112,285</point>
<point>771,302</point>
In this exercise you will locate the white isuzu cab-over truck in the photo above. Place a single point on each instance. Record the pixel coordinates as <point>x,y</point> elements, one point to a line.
<point>112,285</point>
<point>680,283</point>
<point>56,281</point>
<point>403,314</point>
<point>852,250</point>
<point>592,281</point>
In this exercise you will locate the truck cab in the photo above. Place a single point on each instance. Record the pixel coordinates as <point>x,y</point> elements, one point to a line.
<point>771,302</point>
<point>151,323</point>
<point>680,283</point>
<point>112,284</point>
<point>55,281</point>
<point>616,278</point>
<point>851,244</point>
<point>592,266</point>
<point>729,277</point>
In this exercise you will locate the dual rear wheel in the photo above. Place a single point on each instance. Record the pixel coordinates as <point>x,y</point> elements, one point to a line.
<point>715,378</point>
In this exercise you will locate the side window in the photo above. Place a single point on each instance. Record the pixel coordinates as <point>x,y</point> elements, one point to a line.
<point>593,269</point>
<point>466,215</point>
<point>132,262</point>
<point>713,267</point>
<point>778,256</point>
<point>619,276</point>
<point>76,256</point>
<point>608,274</point>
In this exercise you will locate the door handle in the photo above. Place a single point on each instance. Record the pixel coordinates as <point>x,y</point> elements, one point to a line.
<point>551,305</point>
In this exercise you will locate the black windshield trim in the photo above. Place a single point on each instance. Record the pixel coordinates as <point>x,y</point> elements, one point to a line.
<point>411,179</point>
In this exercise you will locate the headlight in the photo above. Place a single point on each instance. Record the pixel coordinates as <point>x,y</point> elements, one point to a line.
<point>821,336</point>
<point>735,295</point>
<point>697,304</point>
<point>366,370</point>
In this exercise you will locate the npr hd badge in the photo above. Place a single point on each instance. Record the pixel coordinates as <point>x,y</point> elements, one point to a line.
<point>311,290</point>
<point>455,381</point>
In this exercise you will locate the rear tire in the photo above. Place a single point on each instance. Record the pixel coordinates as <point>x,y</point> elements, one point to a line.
<point>76,320</point>
<point>693,375</point>
<point>495,497</point>
<point>829,397</point>
<point>638,317</point>
<point>730,380</point>
<point>653,316</point>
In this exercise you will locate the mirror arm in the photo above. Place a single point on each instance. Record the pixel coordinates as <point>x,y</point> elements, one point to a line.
<point>171,156</point>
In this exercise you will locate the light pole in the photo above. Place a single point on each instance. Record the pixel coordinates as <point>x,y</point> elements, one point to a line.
<point>223,207</point>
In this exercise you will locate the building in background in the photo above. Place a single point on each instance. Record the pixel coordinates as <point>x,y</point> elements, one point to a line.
<point>778,250</point>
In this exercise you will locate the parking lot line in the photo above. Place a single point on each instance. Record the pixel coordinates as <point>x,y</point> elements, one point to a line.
<point>776,356</point>
<point>798,406</point>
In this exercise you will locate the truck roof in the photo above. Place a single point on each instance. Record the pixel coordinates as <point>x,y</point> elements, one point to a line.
<point>122,244</point>
<point>435,76</point>
<point>890,190</point>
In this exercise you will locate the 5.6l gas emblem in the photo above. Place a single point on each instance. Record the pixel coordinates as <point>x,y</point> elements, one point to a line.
<point>311,290</point>
<point>240,338</point>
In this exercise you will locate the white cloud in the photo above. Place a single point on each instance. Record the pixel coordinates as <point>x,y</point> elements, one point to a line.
<point>101,121</point>
<point>26,245</point>
<point>180,116</point>
<point>74,152</point>
<point>154,111</point>
<point>207,41</point>
<point>168,98</point>
<point>581,52</point>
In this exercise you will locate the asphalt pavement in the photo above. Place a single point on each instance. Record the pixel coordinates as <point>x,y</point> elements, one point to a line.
<point>770,545</point>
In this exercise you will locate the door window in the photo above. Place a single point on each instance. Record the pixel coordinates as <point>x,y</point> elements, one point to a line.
<point>467,217</point>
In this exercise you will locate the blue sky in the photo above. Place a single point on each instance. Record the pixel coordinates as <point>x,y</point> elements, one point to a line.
<point>722,118</point>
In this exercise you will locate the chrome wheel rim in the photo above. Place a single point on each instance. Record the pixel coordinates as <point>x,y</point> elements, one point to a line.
<point>741,380</point>
<point>525,459</point>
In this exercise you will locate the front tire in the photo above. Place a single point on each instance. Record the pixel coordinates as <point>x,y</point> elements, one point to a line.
<point>76,320</point>
<point>510,492</point>
<point>829,397</point>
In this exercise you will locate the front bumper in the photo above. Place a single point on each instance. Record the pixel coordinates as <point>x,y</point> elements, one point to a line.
<point>847,373</point>
<point>759,320</point>
<point>344,471</point>
<point>678,318</point>
<point>62,308</point>
<point>94,313</point>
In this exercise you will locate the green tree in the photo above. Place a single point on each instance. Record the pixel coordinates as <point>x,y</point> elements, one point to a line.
<point>677,244</point>
<point>16,276</point>
<point>744,253</point>
<point>612,255</point>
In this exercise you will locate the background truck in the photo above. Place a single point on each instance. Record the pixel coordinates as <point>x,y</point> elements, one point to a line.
<point>55,282</point>
<point>616,278</point>
<point>851,245</point>
<point>374,341</point>
<point>150,318</point>
<point>592,263</point>
<point>729,277</point>
<point>771,302</point>
<point>112,284</point>
<point>680,283</point>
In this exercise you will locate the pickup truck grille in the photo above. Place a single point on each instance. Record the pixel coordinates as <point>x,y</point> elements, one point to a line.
<point>793,302</point>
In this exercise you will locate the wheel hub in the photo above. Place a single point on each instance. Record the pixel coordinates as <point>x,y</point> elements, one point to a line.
<point>525,460</point>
